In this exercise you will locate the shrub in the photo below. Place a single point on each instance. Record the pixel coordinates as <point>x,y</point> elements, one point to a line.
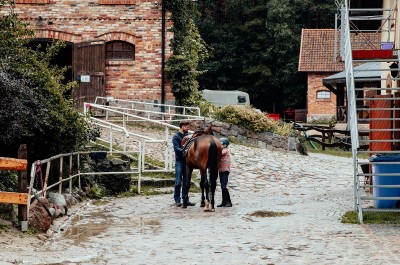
<point>248,118</point>
<point>33,107</point>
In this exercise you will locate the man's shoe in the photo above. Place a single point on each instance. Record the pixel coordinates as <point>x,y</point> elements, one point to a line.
<point>178,204</point>
<point>188,203</point>
<point>228,204</point>
<point>184,205</point>
<point>222,204</point>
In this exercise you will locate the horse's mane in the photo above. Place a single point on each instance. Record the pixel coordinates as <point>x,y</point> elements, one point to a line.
<point>201,131</point>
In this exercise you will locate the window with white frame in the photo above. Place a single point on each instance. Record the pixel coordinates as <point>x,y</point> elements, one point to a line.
<point>323,94</point>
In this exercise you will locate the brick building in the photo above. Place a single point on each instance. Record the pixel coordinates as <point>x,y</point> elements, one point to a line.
<point>113,46</point>
<point>318,60</point>
<point>326,92</point>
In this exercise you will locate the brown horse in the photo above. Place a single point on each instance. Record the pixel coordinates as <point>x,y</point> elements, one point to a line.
<point>204,153</point>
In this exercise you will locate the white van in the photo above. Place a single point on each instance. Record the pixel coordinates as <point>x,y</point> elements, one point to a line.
<point>225,97</point>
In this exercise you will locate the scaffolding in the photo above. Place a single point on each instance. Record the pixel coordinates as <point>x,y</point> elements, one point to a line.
<point>371,35</point>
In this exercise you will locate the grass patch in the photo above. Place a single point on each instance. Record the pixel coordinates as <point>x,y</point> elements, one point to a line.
<point>154,162</point>
<point>335,151</point>
<point>159,175</point>
<point>351,217</point>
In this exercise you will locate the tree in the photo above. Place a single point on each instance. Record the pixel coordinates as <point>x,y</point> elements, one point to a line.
<point>33,109</point>
<point>220,27</point>
<point>188,50</point>
<point>255,47</point>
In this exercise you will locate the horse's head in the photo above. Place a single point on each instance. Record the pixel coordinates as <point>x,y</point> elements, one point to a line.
<point>209,130</point>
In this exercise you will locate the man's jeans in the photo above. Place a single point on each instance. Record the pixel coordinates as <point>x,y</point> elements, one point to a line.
<point>180,180</point>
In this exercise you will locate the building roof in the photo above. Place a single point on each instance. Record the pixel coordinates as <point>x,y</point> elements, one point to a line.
<point>317,49</point>
<point>364,71</point>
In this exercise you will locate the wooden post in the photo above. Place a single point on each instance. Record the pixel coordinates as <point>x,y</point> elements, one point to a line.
<point>22,188</point>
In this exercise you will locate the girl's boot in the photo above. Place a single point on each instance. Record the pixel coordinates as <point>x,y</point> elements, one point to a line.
<point>223,203</point>
<point>227,199</point>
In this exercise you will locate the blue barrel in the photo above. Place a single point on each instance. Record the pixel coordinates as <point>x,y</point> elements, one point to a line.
<point>386,180</point>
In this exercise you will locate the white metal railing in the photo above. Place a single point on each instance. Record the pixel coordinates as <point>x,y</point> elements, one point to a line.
<point>140,106</point>
<point>73,172</point>
<point>352,112</point>
<point>145,140</point>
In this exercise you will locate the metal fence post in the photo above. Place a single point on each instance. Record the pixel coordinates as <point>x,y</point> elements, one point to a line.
<point>70,174</point>
<point>60,177</point>
<point>139,166</point>
<point>79,170</point>
<point>166,148</point>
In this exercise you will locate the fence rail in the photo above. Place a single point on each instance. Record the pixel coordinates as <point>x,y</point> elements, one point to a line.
<point>20,197</point>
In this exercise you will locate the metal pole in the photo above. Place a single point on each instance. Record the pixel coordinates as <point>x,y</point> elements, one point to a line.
<point>166,148</point>
<point>140,166</point>
<point>162,55</point>
<point>79,171</point>
<point>60,177</point>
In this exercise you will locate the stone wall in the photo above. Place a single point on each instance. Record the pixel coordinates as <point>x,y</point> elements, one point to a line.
<point>137,22</point>
<point>266,140</point>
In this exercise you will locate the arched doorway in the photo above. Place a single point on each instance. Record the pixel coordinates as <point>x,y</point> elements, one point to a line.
<point>62,59</point>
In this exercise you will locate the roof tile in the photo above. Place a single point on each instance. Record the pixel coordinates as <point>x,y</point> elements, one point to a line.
<point>317,49</point>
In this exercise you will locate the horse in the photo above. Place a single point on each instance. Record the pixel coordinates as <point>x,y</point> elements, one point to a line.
<point>204,152</point>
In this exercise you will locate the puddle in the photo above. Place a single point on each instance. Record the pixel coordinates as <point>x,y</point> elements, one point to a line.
<point>99,202</point>
<point>92,224</point>
<point>269,214</point>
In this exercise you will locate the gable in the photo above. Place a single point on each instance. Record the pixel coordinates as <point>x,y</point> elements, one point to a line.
<point>317,51</point>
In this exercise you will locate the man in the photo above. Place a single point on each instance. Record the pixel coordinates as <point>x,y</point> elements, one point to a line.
<point>180,166</point>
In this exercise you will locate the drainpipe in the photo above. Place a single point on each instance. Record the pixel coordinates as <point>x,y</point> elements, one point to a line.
<point>162,55</point>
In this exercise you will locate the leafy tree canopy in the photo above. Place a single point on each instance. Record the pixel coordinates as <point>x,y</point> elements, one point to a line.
<point>33,109</point>
<point>255,47</point>
<point>188,50</point>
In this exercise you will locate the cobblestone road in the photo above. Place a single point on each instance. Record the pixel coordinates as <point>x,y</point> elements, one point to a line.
<point>316,190</point>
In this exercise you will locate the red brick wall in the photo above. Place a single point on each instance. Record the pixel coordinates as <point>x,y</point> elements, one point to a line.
<point>319,109</point>
<point>134,21</point>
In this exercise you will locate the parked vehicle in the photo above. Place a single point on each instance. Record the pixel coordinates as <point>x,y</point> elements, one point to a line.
<point>222,98</point>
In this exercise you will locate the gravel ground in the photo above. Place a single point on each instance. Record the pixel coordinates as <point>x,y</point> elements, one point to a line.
<point>286,210</point>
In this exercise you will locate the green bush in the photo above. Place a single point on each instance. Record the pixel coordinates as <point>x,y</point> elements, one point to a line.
<point>248,118</point>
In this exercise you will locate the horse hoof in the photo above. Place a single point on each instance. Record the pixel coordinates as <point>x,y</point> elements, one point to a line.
<point>212,210</point>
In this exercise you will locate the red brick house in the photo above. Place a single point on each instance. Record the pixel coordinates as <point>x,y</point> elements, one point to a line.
<point>113,46</point>
<point>318,60</point>
<point>326,93</point>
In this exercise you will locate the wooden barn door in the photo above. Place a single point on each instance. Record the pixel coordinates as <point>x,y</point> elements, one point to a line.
<point>89,71</point>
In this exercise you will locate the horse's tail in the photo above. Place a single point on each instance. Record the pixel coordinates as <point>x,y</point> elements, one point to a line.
<point>212,159</point>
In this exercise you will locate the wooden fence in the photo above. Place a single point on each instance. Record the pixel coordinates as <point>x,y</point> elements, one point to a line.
<point>21,197</point>
<point>328,136</point>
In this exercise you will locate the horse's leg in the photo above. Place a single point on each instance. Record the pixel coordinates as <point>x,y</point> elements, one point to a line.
<point>213,180</point>
<point>202,184</point>
<point>207,187</point>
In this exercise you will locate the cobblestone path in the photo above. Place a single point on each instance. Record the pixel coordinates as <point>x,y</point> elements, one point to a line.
<point>313,190</point>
